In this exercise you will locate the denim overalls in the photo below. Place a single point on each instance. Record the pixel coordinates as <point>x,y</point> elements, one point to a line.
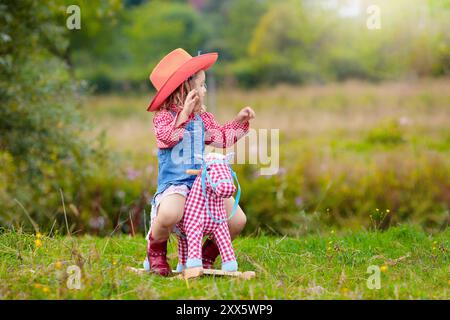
<point>173,162</point>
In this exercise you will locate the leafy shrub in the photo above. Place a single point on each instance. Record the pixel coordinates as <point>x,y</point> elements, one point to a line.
<point>42,146</point>
<point>317,191</point>
<point>388,133</point>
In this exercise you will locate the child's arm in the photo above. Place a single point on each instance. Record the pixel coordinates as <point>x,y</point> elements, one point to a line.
<point>167,132</point>
<point>169,129</point>
<point>223,136</point>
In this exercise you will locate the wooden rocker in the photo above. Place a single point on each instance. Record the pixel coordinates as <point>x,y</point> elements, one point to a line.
<point>198,272</point>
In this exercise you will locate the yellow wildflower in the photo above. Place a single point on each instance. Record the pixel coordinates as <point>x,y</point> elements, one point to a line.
<point>384,268</point>
<point>38,243</point>
<point>45,289</point>
<point>58,265</point>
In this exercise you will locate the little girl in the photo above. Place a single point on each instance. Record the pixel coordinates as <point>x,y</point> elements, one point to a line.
<point>183,127</point>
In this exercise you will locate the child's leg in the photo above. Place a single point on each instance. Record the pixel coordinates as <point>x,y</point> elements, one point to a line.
<point>237,223</point>
<point>170,211</point>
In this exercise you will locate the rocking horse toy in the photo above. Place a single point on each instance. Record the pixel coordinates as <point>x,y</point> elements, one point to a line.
<point>205,215</point>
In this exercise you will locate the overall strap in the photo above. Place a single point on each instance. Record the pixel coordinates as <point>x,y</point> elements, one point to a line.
<point>197,117</point>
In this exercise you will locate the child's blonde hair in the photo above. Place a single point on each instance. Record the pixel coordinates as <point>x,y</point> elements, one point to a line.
<point>178,97</point>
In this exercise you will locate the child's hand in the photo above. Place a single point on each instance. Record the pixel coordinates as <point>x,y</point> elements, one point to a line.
<point>192,100</point>
<point>245,114</point>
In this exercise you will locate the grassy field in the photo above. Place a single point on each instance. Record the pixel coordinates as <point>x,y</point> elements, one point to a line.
<point>350,153</point>
<point>413,265</point>
<point>317,114</point>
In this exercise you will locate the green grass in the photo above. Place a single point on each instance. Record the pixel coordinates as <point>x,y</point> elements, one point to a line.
<point>314,267</point>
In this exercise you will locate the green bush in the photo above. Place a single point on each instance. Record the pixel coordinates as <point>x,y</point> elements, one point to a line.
<point>42,147</point>
<point>388,133</point>
<point>347,191</point>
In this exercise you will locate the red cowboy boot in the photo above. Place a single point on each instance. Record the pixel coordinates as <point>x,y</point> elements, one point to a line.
<point>156,253</point>
<point>210,251</point>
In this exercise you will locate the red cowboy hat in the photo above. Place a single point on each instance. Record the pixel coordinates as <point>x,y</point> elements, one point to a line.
<point>173,70</point>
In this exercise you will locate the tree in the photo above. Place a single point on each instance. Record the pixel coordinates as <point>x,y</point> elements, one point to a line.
<point>235,26</point>
<point>286,44</point>
<point>41,144</point>
<point>156,28</point>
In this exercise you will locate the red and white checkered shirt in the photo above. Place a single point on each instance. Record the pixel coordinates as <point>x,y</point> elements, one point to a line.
<point>196,221</point>
<point>167,135</point>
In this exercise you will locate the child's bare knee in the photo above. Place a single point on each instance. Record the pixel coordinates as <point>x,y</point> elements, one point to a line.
<point>237,223</point>
<point>243,220</point>
<point>171,210</point>
<point>168,217</point>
